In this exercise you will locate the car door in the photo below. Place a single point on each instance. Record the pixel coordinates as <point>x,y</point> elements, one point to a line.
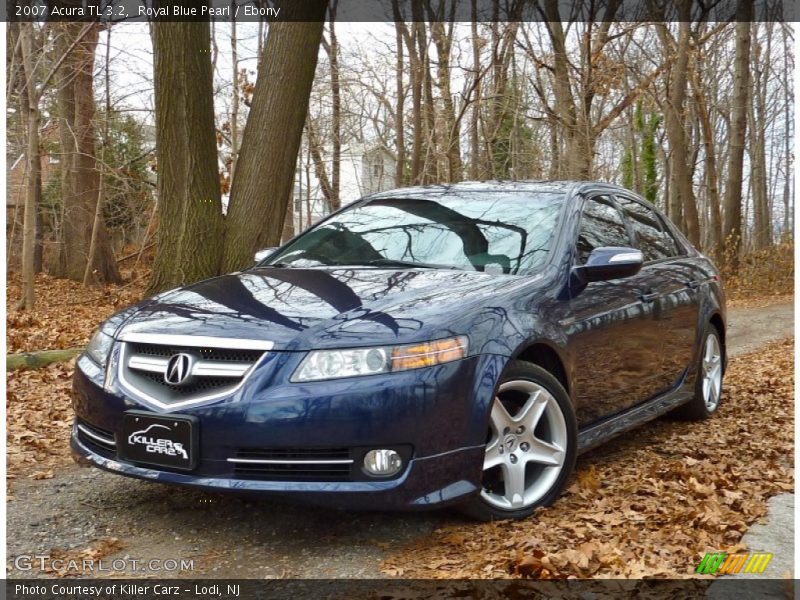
<point>675,303</point>
<point>612,334</point>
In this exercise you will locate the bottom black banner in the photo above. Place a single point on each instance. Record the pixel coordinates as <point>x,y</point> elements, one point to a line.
<point>392,589</point>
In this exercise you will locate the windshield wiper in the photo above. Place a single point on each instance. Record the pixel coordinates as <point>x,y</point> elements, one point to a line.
<point>377,262</point>
<point>390,262</point>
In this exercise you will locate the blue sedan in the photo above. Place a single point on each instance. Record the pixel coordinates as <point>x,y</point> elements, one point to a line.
<point>423,347</point>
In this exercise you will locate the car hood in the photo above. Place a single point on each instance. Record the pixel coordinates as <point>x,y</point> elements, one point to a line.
<point>300,309</point>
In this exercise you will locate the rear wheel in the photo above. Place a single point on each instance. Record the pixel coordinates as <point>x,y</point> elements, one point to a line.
<point>530,448</point>
<point>708,388</point>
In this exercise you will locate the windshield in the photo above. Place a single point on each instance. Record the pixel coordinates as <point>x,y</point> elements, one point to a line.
<point>507,232</point>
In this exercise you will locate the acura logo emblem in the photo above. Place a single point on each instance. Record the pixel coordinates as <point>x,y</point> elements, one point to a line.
<point>179,369</point>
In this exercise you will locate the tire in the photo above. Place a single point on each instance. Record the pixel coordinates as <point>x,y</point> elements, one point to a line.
<point>532,438</point>
<point>708,387</point>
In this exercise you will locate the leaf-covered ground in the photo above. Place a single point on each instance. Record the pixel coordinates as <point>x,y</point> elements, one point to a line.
<point>39,419</point>
<point>66,313</point>
<point>650,504</point>
<point>38,413</point>
<point>646,505</point>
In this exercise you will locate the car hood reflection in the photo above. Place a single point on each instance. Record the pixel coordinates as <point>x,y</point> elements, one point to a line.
<point>300,309</point>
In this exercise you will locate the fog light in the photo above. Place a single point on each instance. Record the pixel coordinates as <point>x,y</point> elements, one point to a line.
<point>382,463</point>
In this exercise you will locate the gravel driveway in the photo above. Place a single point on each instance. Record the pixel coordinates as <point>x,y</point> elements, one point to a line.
<point>87,513</point>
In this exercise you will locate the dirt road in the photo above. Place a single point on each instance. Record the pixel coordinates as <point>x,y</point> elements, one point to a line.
<point>749,328</point>
<point>84,513</point>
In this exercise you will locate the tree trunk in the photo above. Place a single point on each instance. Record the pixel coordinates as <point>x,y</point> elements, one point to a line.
<point>762,227</point>
<point>336,114</point>
<point>732,223</point>
<point>234,118</point>
<point>98,227</point>
<point>34,166</point>
<point>288,221</point>
<point>416,115</point>
<point>271,138</point>
<point>430,172</point>
<point>712,176</point>
<point>66,110</point>
<point>42,358</point>
<point>399,116</point>
<point>83,175</point>
<point>577,164</point>
<point>788,221</point>
<point>315,152</point>
<point>190,225</point>
<point>451,130</point>
<point>474,139</point>
<point>497,132</point>
<point>415,79</point>
<point>682,203</point>
<point>38,250</point>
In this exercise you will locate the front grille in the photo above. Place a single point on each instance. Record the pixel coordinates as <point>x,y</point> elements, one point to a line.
<point>212,354</point>
<point>96,437</point>
<point>211,372</point>
<point>204,384</point>
<point>310,472</point>
<point>293,464</point>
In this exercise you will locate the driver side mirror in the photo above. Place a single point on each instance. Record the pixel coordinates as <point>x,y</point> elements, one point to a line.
<point>609,262</point>
<point>263,253</point>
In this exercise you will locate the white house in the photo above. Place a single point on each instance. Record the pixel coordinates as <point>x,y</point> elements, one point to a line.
<point>363,170</point>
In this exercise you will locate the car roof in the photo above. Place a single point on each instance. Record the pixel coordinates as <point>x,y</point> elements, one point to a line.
<point>552,186</point>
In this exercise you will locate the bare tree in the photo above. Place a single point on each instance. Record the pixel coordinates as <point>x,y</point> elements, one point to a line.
<point>757,146</point>
<point>80,168</point>
<point>399,117</point>
<point>234,116</point>
<point>271,138</point>
<point>682,206</point>
<point>732,222</point>
<point>332,49</point>
<point>26,37</point>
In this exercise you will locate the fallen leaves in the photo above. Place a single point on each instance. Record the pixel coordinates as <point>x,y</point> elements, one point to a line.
<point>588,479</point>
<point>39,413</point>
<point>646,505</point>
<point>39,419</point>
<point>66,313</point>
<point>70,563</point>
<point>762,277</point>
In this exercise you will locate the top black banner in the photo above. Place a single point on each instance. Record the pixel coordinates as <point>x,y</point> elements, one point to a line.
<point>396,10</point>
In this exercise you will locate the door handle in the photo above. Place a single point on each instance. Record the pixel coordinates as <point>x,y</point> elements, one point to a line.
<point>649,297</point>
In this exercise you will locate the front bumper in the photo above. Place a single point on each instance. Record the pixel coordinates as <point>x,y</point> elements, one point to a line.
<point>428,482</point>
<point>439,412</point>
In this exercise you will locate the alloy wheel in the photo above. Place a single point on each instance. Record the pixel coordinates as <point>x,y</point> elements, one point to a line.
<point>527,446</point>
<point>712,373</point>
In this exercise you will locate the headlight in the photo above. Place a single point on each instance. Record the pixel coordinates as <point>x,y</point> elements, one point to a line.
<point>99,347</point>
<point>335,364</point>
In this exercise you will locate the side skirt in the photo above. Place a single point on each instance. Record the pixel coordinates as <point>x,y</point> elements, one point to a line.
<point>596,434</point>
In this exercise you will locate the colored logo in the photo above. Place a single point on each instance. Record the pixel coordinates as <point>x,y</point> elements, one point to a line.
<point>722,563</point>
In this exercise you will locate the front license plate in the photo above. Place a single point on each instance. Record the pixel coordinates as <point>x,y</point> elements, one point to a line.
<point>163,440</point>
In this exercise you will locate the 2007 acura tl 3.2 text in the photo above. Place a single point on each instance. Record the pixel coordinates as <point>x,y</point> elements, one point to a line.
<point>426,346</point>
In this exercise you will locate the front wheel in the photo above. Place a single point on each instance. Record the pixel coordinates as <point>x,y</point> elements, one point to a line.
<point>531,445</point>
